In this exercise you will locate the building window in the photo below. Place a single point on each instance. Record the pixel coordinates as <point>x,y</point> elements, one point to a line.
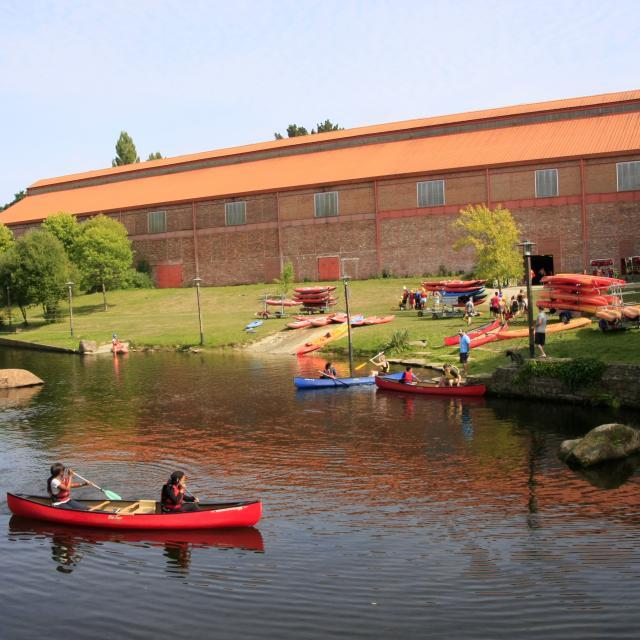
<point>431,193</point>
<point>326,204</point>
<point>157,221</point>
<point>628,175</point>
<point>235,213</point>
<point>546,183</point>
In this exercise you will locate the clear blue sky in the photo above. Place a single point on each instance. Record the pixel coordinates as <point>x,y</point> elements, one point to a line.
<point>182,77</point>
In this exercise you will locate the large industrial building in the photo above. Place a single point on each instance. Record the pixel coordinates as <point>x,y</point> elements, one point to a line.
<point>376,199</point>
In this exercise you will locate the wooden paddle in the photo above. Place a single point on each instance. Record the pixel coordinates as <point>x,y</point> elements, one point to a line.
<point>369,360</point>
<point>112,495</point>
<point>326,375</point>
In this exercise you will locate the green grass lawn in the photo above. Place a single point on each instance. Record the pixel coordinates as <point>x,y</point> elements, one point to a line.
<point>168,318</point>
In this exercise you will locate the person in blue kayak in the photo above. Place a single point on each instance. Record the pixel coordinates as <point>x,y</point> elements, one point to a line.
<point>329,371</point>
<point>408,377</point>
<point>175,498</point>
<point>59,487</point>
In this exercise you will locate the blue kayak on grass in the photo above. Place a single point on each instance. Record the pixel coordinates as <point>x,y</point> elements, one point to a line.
<point>330,383</point>
<point>253,325</point>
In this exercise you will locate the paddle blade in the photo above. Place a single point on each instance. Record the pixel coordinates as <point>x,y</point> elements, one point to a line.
<point>360,366</point>
<point>112,495</point>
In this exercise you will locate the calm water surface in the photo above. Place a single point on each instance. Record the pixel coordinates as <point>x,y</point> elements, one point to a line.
<point>385,516</point>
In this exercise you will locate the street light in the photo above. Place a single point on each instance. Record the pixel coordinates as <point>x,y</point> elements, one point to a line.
<point>198,280</point>
<point>527,246</point>
<point>9,304</point>
<point>69,287</point>
<point>345,280</point>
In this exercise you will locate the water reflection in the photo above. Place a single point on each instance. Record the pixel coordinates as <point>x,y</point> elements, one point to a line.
<point>18,397</point>
<point>69,545</point>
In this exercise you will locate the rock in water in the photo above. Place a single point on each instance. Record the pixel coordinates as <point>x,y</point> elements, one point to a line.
<point>11,378</point>
<point>88,346</point>
<point>606,442</point>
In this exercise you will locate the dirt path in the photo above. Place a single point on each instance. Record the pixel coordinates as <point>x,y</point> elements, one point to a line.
<point>287,341</point>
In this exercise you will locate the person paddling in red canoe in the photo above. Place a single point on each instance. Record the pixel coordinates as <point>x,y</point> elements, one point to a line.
<point>175,497</point>
<point>59,487</point>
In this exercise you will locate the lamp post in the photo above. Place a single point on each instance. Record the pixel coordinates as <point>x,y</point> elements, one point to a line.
<point>69,287</point>
<point>198,280</point>
<point>527,246</point>
<point>9,304</point>
<point>345,280</point>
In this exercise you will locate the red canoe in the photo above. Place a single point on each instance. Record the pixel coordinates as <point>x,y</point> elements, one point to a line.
<point>136,514</point>
<point>299,324</point>
<point>429,389</point>
<point>313,290</point>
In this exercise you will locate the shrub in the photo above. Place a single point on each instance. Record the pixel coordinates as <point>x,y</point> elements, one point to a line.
<point>574,373</point>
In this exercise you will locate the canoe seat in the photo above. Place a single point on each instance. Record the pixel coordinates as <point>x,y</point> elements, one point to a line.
<point>97,507</point>
<point>130,509</point>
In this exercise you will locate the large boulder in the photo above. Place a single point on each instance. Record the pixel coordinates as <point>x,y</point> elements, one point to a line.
<point>607,442</point>
<point>88,346</point>
<point>11,378</point>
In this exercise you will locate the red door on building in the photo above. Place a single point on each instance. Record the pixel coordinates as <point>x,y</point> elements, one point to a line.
<point>329,268</point>
<point>168,276</point>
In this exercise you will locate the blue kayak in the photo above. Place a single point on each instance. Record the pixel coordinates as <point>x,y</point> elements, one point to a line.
<point>330,383</point>
<point>253,325</point>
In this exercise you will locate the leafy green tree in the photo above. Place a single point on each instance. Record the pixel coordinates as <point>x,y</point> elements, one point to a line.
<point>66,228</point>
<point>156,155</point>
<point>36,269</point>
<point>286,278</point>
<point>104,254</point>
<point>494,235</point>
<point>6,238</point>
<point>16,198</point>
<point>125,151</point>
<point>327,125</point>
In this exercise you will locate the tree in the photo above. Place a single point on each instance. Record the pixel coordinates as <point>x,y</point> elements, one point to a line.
<point>36,269</point>
<point>6,238</point>
<point>104,253</point>
<point>327,125</point>
<point>494,235</point>
<point>155,156</point>
<point>286,278</point>
<point>16,198</point>
<point>293,130</point>
<point>66,228</point>
<point>125,151</point>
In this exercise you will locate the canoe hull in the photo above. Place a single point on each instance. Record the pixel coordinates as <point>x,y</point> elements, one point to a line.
<point>236,514</point>
<point>474,390</point>
<point>576,323</point>
<point>329,383</point>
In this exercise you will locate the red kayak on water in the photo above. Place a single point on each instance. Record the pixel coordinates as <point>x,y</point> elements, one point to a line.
<point>136,514</point>
<point>425,388</point>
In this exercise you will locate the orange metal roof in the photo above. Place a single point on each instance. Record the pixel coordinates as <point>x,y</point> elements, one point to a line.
<point>581,137</point>
<point>420,123</point>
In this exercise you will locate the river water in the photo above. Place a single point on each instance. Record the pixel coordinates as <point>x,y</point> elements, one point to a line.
<point>385,516</point>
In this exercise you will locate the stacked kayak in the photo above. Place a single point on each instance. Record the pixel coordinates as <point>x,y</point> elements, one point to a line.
<point>315,297</point>
<point>576,323</point>
<point>578,292</point>
<point>333,383</point>
<point>284,302</point>
<point>458,292</point>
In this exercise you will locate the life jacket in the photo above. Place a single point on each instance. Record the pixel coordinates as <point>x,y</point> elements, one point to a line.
<point>453,373</point>
<point>63,494</point>
<point>169,494</point>
<point>407,377</point>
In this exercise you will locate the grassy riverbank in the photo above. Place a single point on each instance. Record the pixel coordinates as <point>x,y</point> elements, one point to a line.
<point>168,319</point>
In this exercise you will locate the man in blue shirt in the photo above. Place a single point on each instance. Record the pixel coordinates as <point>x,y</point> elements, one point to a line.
<point>465,345</point>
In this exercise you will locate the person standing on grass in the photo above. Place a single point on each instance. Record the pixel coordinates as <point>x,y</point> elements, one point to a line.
<point>469,310</point>
<point>541,332</point>
<point>465,345</point>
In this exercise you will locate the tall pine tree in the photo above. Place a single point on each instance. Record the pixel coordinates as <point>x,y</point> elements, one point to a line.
<point>125,151</point>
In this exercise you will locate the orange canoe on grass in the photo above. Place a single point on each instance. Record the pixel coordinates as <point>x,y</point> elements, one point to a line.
<point>335,333</point>
<point>576,323</point>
